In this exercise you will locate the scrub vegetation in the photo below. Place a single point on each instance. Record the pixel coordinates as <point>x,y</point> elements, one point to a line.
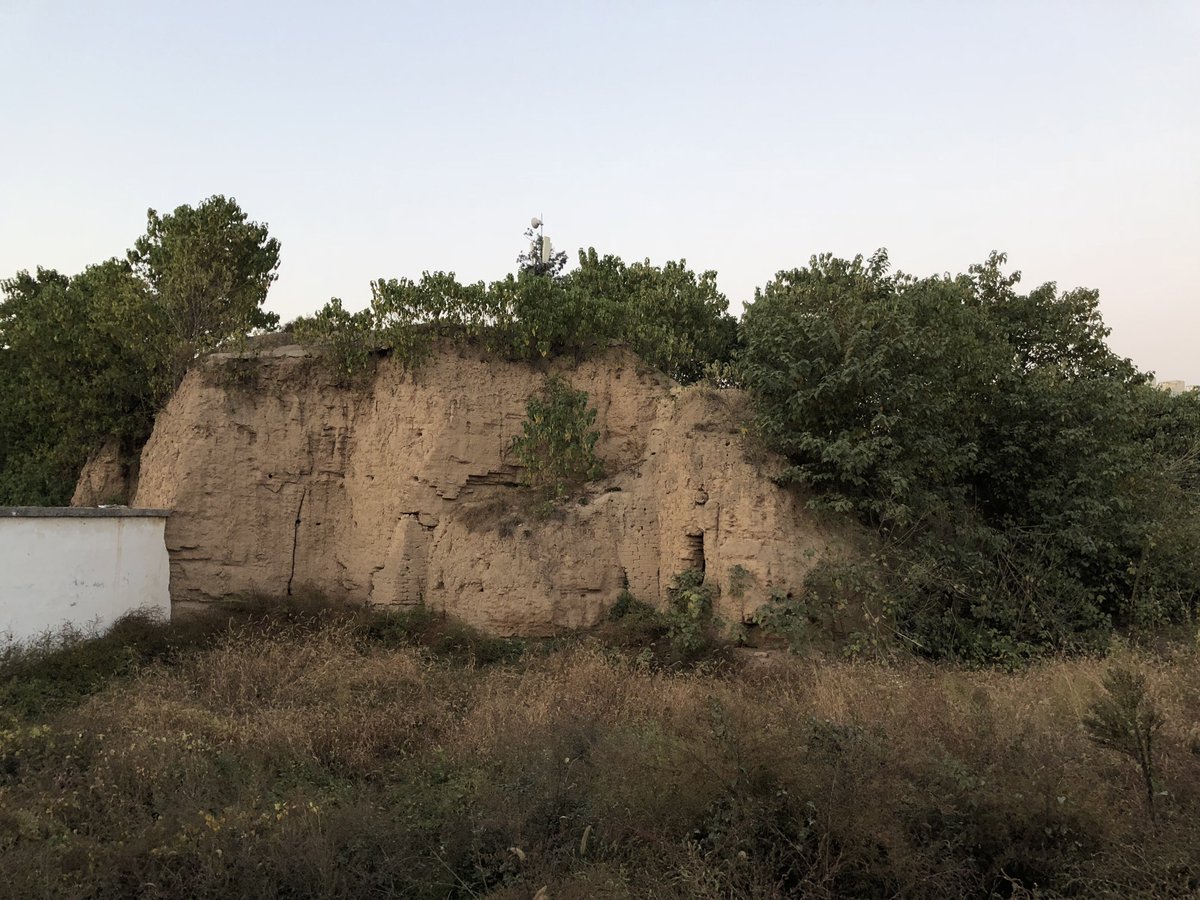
<point>313,751</point>
<point>673,318</point>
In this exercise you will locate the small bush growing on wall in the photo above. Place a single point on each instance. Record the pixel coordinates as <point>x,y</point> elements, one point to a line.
<point>557,445</point>
<point>347,339</point>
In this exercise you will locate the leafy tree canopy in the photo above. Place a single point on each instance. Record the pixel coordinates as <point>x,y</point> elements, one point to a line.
<point>1032,487</point>
<point>210,268</point>
<point>94,356</point>
<point>84,361</point>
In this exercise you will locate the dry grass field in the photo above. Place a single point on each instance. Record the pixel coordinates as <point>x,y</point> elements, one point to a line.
<point>321,754</point>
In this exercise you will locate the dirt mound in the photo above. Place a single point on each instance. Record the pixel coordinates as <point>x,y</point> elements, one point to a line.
<point>404,492</point>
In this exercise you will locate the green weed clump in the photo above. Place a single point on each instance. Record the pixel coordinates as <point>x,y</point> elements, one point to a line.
<point>685,634</point>
<point>633,624</point>
<point>339,752</point>
<point>691,626</point>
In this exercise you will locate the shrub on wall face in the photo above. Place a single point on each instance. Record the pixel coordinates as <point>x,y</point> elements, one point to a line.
<point>557,444</point>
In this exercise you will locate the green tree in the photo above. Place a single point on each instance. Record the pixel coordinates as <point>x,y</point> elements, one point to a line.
<point>670,316</point>
<point>92,357</point>
<point>210,268</point>
<point>870,383</point>
<point>1026,481</point>
<point>557,444</point>
<point>84,359</point>
<point>1127,719</point>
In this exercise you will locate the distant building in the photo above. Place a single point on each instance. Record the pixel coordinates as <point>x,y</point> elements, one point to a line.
<point>1175,387</point>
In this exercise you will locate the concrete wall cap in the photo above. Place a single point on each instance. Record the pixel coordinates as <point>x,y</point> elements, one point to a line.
<point>81,512</point>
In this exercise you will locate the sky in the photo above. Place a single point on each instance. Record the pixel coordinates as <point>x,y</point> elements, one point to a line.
<point>385,139</point>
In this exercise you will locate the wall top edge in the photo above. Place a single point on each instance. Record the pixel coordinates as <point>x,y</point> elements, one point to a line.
<point>81,512</point>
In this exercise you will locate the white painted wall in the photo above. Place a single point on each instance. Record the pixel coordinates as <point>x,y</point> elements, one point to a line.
<point>83,567</point>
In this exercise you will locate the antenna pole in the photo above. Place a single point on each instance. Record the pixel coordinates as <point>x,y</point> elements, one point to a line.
<point>538,250</point>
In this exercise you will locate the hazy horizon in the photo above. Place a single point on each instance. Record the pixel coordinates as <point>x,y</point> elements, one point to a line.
<point>381,140</point>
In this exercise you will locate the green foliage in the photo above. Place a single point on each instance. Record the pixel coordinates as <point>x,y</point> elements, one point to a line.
<point>868,383</point>
<point>1126,719</point>
<point>83,359</point>
<point>210,268</point>
<point>673,318</point>
<point>740,580</point>
<point>409,315</point>
<point>691,626</point>
<point>685,634</point>
<point>1029,487</point>
<point>557,444</point>
<point>786,617</point>
<point>91,357</point>
<point>348,339</point>
<point>634,624</point>
<point>628,605</point>
<point>847,603</point>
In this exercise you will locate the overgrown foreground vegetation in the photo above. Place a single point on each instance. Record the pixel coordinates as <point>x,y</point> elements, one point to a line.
<point>353,755</point>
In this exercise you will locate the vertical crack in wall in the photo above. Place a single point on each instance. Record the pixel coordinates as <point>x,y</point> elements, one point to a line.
<point>296,540</point>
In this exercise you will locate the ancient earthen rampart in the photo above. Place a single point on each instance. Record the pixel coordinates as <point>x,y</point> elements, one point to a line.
<point>404,492</point>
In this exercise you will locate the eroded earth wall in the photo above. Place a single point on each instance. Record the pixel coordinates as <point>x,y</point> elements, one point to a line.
<point>404,492</point>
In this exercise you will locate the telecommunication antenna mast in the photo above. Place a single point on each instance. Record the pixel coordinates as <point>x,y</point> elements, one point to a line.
<point>540,247</point>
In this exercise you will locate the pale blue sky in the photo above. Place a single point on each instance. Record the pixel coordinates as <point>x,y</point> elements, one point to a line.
<point>381,139</point>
